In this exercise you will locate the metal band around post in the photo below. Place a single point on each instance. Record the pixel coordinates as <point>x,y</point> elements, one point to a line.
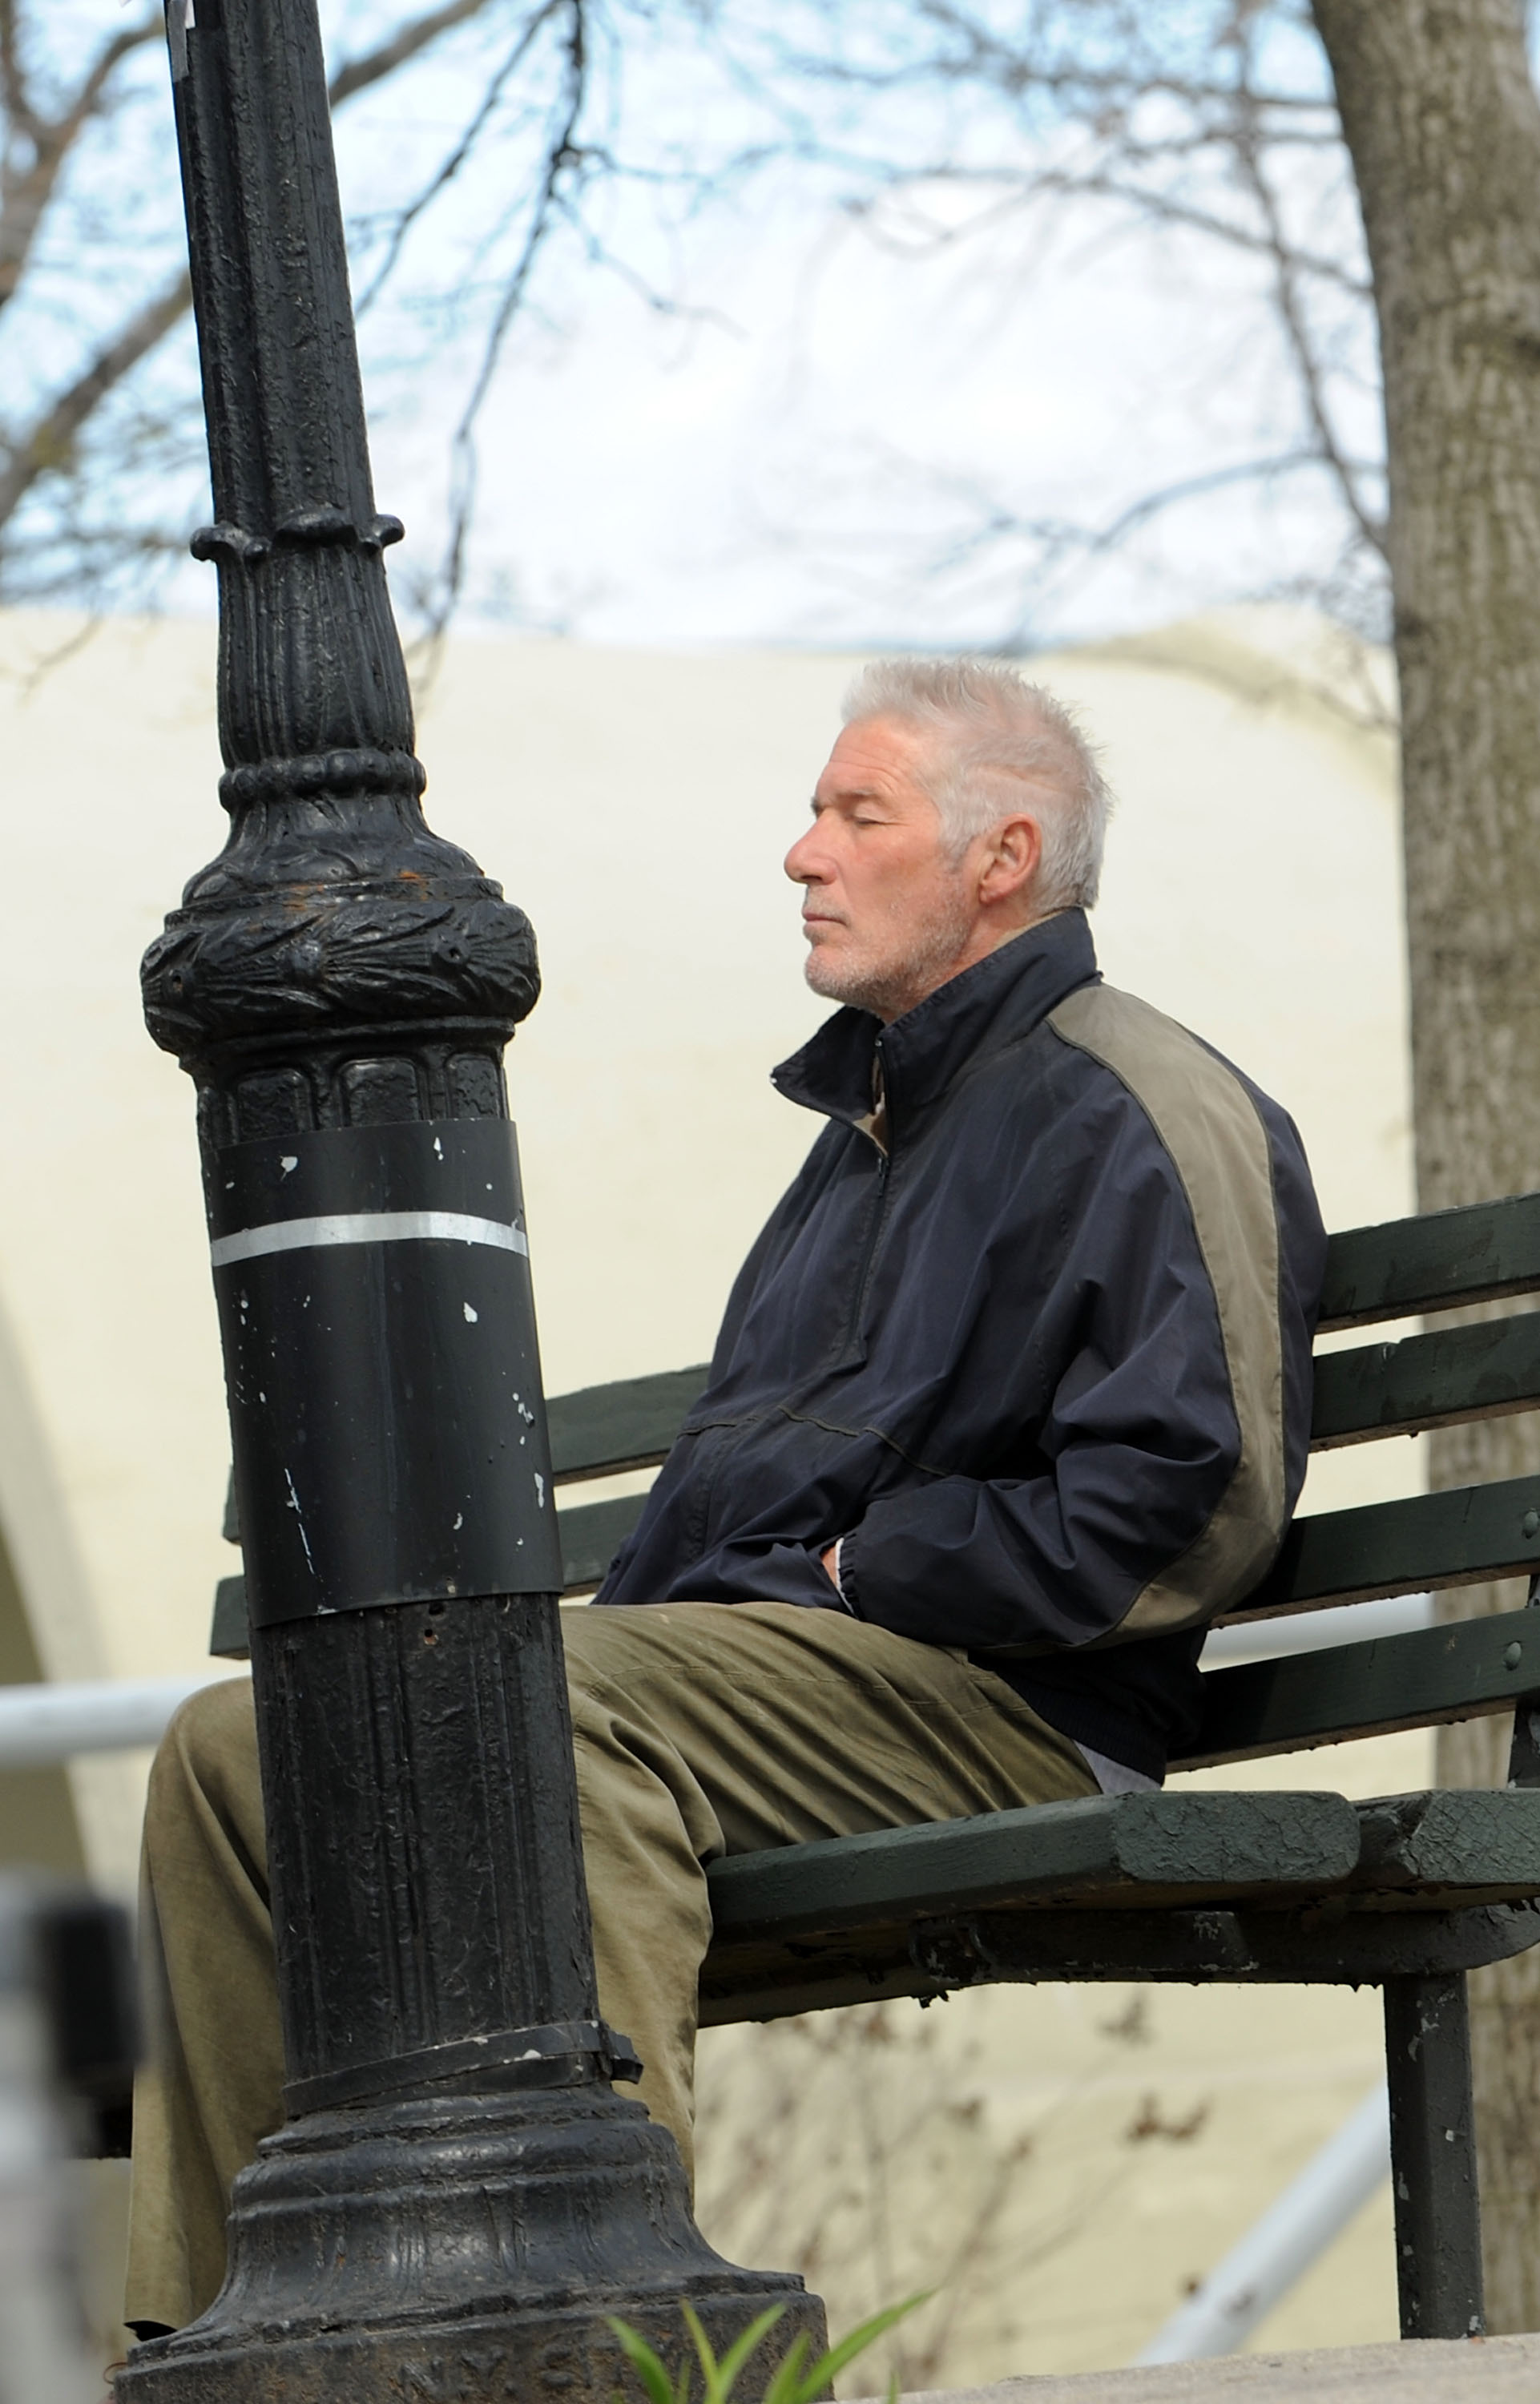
<point>382,1371</point>
<point>556,2055</point>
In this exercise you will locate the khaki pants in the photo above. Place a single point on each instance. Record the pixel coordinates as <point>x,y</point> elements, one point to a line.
<point>700,1730</point>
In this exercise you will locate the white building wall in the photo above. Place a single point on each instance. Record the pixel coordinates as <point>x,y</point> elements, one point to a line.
<point>638,806</point>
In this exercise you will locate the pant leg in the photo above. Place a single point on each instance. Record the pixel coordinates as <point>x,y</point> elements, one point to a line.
<point>698,1729</point>
<point>213,2084</point>
<point>703,1729</point>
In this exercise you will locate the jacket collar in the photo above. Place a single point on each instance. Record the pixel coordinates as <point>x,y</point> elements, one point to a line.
<point>990,1004</point>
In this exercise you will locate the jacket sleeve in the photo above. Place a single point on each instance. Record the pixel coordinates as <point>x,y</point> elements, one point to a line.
<point>1157,1488</point>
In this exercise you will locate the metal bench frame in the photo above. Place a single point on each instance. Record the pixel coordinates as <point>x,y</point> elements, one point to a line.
<point>1406,1892</point>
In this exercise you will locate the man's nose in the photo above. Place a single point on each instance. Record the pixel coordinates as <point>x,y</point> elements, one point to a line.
<point>802,862</point>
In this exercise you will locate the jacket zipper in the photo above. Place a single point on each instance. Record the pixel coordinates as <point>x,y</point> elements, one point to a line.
<point>868,1253</point>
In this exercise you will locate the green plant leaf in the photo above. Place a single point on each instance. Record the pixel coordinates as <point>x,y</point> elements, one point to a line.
<point>705,2353</point>
<point>790,2382</point>
<point>830,2364</point>
<point>650,2369</point>
<point>787,2382</point>
<point>721,2378</point>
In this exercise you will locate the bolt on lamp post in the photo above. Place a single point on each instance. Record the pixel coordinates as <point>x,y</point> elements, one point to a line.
<point>458,2197</point>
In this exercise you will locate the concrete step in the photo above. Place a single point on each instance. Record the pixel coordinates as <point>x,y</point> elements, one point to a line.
<point>1489,2370</point>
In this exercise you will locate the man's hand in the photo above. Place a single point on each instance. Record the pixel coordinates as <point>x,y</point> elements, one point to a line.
<point>829,1560</point>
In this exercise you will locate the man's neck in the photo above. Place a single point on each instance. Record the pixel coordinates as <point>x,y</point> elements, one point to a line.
<point>970,958</point>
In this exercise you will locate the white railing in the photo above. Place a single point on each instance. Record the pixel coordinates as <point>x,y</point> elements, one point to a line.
<point>1292,2234</point>
<point>45,1723</point>
<point>1310,1631</point>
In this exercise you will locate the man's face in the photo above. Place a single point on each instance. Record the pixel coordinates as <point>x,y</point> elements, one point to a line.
<point>887,916</point>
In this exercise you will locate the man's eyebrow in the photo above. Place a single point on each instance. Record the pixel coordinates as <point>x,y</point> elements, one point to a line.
<point>848,793</point>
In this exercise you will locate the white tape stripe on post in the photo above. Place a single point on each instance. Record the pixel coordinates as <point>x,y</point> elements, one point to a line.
<point>366,1227</point>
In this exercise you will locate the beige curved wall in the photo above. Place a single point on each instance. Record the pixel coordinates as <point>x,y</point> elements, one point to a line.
<point>638,806</point>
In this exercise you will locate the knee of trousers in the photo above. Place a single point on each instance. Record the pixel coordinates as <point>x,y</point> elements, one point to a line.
<point>640,1792</point>
<point>613,1684</point>
<point>206,1761</point>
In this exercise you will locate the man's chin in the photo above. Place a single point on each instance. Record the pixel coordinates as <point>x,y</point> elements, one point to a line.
<point>831,979</point>
<point>836,980</point>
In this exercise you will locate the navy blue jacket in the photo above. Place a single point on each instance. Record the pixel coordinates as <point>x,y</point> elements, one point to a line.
<point>1045,1365</point>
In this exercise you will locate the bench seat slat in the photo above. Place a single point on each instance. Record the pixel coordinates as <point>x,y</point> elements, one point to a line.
<point>1144,1847</point>
<point>1434,1880</point>
<point>1479,1371</point>
<point>1255,1947</point>
<point>1421,1679</point>
<point>1417,1849</point>
<point>601,1429</point>
<point>1481,1839</point>
<point>1396,1270</point>
<point>1463,1536</point>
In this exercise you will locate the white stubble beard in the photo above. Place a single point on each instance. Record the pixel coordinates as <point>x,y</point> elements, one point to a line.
<point>889,987</point>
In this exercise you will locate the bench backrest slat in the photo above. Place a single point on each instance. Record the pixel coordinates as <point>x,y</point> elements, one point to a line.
<point>1376,1390</point>
<point>1405,1267</point>
<point>591,1535</point>
<point>1453,1671</point>
<point>1466,1535</point>
<point>1422,1542</point>
<point>1452,1374</point>
<point>600,1430</point>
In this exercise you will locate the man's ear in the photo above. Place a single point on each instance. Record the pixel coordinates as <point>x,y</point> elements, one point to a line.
<point>1012,857</point>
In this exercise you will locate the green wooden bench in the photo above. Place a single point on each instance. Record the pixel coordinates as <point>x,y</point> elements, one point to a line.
<point>1406,1892</point>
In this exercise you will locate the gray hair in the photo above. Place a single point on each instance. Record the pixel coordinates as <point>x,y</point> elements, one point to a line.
<point>996,731</point>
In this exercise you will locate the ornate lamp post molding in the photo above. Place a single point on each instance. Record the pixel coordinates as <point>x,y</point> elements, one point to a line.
<point>458,2196</point>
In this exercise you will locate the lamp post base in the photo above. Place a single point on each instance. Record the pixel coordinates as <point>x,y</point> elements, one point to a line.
<point>463,2250</point>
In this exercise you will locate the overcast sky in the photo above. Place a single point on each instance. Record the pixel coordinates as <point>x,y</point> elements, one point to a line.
<point>807,458</point>
<point>806,450</point>
<point>835,434</point>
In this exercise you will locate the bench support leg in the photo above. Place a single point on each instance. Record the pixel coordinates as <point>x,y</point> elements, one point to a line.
<point>1433,2157</point>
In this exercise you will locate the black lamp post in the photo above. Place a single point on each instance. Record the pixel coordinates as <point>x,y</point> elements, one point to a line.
<point>458,2197</point>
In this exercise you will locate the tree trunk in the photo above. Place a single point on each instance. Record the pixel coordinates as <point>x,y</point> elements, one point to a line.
<point>1443,125</point>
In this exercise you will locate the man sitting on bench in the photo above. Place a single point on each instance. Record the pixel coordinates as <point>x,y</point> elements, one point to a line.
<point>1011,1396</point>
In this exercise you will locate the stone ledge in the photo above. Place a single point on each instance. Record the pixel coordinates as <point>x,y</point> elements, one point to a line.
<point>1489,2370</point>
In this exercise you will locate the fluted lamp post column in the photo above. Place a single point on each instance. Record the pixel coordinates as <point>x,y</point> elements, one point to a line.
<point>458,2197</point>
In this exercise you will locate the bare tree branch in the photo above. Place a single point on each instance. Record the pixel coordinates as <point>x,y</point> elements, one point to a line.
<point>15,94</point>
<point>48,444</point>
<point>1018,192</point>
<point>562,161</point>
<point>1288,301</point>
<point>1080,88</point>
<point>1183,125</point>
<point>98,76</point>
<point>1201,124</point>
<point>455,160</point>
<point>408,42</point>
<point>26,191</point>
